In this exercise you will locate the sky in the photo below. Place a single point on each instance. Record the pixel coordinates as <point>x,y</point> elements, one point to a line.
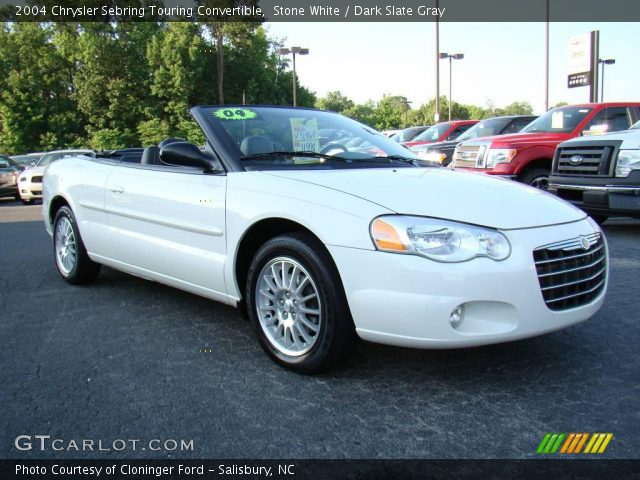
<point>503,62</point>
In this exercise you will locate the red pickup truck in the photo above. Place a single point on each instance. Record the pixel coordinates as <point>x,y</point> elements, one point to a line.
<point>527,156</point>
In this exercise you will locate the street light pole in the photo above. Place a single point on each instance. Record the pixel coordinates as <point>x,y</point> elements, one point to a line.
<point>455,56</point>
<point>436,116</point>
<point>295,87</point>
<point>546,59</point>
<point>608,61</point>
<point>450,83</point>
<point>293,51</point>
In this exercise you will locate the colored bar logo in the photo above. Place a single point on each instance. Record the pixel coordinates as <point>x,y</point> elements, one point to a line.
<point>574,443</point>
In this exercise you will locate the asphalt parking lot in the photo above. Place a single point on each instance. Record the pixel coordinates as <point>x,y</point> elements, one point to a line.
<point>130,359</point>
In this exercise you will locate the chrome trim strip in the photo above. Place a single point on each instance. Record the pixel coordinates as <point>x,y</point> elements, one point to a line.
<point>189,227</point>
<point>607,188</point>
<point>572,269</point>
<point>563,244</point>
<point>589,252</point>
<point>591,290</point>
<point>576,282</point>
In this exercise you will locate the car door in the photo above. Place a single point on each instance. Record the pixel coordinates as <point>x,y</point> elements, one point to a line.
<point>168,223</point>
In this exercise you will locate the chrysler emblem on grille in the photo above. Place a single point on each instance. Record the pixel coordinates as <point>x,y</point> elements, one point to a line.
<point>465,155</point>
<point>584,241</point>
<point>575,159</point>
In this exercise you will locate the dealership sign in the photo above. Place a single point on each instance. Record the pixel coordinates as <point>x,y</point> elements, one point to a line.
<point>580,73</point>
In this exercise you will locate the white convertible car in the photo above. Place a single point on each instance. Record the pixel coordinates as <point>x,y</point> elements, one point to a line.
<point>322,242</point>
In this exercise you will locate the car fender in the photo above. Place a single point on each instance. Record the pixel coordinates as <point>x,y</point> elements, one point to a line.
<point>326,213</point>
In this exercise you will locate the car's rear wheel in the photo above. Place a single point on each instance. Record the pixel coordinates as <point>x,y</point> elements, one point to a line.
<point>536,177</point>
<point>297,305</point>
<point>72,261</point>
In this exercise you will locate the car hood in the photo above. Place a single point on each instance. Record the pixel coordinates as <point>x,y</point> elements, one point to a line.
<point>34,171</point>
<point>631,138</point>
<point>440,146</point>
<point>525,139</point>
<point>439,192</point>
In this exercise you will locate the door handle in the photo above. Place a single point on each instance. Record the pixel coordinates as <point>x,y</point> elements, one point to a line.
<point>116,189</point>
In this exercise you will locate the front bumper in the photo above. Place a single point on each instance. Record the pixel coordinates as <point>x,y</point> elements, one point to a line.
<point>600,199</point>
<point>30,191</point>
<point>407,300</point>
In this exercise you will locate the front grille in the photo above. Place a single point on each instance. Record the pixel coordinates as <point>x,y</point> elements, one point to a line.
<point>36,179</point>
<point>466,156</point>
<point>585,160</point>
<point>571,275</point>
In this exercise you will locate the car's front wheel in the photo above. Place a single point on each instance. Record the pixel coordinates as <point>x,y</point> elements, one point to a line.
<point>536,177</point>
<point>72,260</point>
<point>297,305</point>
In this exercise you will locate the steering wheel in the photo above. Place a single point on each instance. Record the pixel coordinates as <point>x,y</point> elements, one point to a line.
<point>333,149</point>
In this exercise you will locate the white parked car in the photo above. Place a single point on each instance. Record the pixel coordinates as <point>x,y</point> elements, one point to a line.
<point>322,245</point>
<point>30,180</point>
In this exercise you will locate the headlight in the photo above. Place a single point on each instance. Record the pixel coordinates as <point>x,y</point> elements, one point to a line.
<point>431,156</point>
<point>500,155</point>
<point>628,160</point>
<point>438,240</point>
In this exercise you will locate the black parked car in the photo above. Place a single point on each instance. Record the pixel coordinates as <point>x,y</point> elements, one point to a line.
<point>9,172</point>
<point>442,152</point>
<point>408,134</point>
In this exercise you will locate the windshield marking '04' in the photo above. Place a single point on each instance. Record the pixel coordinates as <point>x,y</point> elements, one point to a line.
<point>272,136</point>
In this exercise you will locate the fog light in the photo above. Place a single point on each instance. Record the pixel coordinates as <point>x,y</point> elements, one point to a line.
<point>456,317</point>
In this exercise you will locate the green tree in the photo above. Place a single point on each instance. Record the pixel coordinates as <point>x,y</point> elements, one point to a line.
<point>518,108</point>
<point>36,107</point>
<point>180,71</point>
<point>112,80</point>
<point>334,101</point>
<point>363,112</point>
<point>392,112</point>
<point>426,112</point>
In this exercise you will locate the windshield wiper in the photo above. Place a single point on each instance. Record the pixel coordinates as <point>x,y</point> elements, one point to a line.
<point>400,158</point>
<point>310,154</point>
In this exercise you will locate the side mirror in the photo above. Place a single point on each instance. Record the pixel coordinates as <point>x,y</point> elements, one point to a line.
<point>185,154</point>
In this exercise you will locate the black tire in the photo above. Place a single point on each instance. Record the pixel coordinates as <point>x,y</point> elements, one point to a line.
<point>82,270</point>
<point>536,177</point>
<point>599,219</point>
<point>335,337</point>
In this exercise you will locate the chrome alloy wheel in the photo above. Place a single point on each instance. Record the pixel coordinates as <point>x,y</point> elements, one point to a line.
<point>288,306</point>
<point>65,246</point>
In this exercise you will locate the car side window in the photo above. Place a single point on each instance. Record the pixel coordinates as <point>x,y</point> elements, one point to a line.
<point>458,131</point>
<point>4,164</point>
<point>517,125</point>
<point>616,118</point>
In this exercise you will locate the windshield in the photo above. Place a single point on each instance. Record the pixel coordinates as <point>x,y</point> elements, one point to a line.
<point>50,157</point>
<point>486,128</point>
<point>433,133</point>
<point>291,137</point>
<point>558,120</point>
